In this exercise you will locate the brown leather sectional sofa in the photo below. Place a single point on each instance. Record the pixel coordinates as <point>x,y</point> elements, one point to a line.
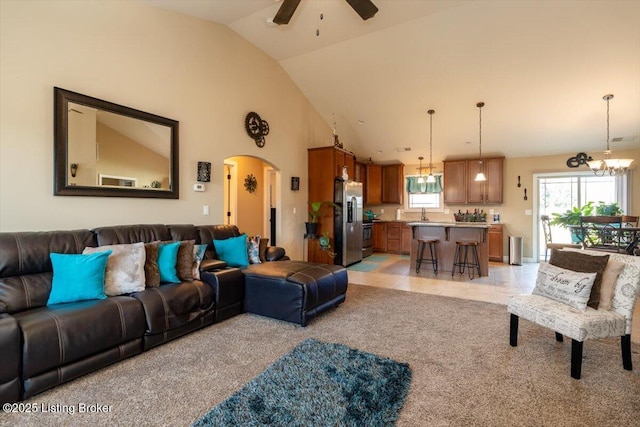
<point>44,346</point>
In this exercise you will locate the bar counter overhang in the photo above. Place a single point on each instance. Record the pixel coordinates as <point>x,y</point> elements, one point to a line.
<point>448,233</point>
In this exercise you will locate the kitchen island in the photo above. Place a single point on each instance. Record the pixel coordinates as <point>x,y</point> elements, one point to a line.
<point>448,233</point>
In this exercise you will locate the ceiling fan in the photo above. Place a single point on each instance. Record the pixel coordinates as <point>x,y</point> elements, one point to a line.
<point>365,8</point>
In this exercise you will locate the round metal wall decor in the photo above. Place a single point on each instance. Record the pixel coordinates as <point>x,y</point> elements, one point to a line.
<point>250,183</point>
<point>256,128</point>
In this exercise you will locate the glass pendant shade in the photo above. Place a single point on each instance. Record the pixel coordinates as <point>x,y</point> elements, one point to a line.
<point>431,178</point>
<point>480,177</point>
<point>421,180</point>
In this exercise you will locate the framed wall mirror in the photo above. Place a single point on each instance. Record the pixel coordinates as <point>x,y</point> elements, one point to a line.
<point>106,149</point>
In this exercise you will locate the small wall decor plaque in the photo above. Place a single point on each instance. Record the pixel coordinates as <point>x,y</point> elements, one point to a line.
<point>295,183</point>
<point>256,128</point>
<point>204,171</point>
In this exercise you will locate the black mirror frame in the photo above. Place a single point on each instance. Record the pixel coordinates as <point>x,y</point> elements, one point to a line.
<point>61,120</point>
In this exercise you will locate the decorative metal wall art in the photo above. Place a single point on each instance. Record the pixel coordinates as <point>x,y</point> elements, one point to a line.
<point>256,128</point>
<point>578,159</point>
<point>295,183</point>
<point>250,183</point>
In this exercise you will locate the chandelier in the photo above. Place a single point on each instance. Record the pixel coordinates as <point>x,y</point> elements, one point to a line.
<point>613,167</point>
<point>480,176</point>
<point>421,179</point>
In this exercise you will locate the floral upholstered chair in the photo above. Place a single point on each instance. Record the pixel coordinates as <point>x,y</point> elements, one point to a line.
<point>558,302</point>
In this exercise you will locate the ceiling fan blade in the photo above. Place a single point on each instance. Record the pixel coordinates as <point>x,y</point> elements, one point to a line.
<point>286,12</point>
<point>365,8</point>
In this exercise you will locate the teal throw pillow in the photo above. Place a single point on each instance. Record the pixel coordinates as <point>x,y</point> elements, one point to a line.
<point>77,277</point>
<point>167,259</point>
<point>233,251</point>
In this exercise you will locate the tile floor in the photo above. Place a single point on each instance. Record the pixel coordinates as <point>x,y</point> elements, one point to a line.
<point>504,280</point>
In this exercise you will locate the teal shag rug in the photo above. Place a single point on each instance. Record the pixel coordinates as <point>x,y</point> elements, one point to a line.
<point>318,384</point>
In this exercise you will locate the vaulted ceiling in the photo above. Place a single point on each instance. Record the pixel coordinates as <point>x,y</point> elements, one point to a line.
<point>541,67</point>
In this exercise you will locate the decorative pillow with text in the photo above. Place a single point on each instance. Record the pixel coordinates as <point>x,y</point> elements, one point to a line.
<point>566,286</point>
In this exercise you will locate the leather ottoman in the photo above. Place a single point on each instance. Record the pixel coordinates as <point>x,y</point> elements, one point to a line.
<point>294,291</point>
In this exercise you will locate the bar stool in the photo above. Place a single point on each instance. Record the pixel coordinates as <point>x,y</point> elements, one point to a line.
<point>462,261</point>
<point>433,252</point>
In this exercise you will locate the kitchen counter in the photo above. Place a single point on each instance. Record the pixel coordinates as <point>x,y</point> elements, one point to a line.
<point>448,233</point>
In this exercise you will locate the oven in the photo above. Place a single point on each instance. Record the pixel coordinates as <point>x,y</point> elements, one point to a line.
<point>367,239</point>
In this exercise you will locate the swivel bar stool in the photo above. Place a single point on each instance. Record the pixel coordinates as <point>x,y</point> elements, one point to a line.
<point>461,258</point>
<point>433,252</point>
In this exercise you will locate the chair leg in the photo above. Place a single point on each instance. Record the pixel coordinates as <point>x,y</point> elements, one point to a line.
<point>513,331</point>
<point>559,337</point>
<point>625,344</point>
<point>576,358</point>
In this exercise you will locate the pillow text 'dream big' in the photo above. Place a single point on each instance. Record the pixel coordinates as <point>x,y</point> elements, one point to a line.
<point>78,277</point>
<point>583,263</point>
<point>233,251</point>
<point>566,286</point>
<point>125,268</point>
<point>167,258</point>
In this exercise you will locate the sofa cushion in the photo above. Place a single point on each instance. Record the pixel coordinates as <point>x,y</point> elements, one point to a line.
<point>125,268</point>
<point>25,266</point>
<point>57,335</point>
<point>173,305</point>
<point>184,262</point>
<point>120,234</point>
<point>209,233</point>
<point>198,256</point>
<point>78,277</point>
<point>253,249</point>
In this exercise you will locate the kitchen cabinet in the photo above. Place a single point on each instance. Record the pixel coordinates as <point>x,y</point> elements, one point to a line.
<point>495,243</point>
<point>455,181</point>
<point>361,176</point>
<point>379,237</point>
<point>407,236</point>
<point>394,237</point>
<point>392,184</point>
<point>374,185</point>
<point>460,186</point>
<point>489,191</point>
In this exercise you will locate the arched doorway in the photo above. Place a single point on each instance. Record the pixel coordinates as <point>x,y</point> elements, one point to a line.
<point>252,196</point>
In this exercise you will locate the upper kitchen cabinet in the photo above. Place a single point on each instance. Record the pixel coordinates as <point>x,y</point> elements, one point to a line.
<point>455,181</point>
<point>392,183</point>
<point>489,191</point>
<point>373,191</point>
<point>460,186</point>
<point>361,176</point>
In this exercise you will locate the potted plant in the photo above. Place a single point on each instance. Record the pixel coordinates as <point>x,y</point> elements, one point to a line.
<point>611,209</point>
<point>314,215</point>
<point>571,218</point>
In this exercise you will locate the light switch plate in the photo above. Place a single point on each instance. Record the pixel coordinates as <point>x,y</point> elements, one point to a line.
<point>528,212</point>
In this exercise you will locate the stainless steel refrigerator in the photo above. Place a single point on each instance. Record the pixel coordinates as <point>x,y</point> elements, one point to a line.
<point>348,222</point>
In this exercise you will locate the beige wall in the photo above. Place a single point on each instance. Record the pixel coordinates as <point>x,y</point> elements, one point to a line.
<point>512,210</point>
<point>250,212</point>
<point>201,74</point>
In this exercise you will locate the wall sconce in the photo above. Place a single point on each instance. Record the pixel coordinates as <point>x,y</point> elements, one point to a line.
<point>74,169</point>
<point>204,171</point>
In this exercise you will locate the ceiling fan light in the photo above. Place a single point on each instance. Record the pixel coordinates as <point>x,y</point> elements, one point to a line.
<point>431,178</point>
<point>480,177</point>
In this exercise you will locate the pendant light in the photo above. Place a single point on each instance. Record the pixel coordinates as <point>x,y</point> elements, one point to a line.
<point>480,176</point>
<point>614,167</point>
<point>421,179</point>
<point>430,178</point>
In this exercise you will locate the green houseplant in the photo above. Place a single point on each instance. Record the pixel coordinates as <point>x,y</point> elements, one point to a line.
<point>314,215</point>
<point>571,217</point>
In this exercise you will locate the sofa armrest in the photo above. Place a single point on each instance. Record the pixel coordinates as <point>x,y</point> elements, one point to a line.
<point>9,359</point>
<point>275,253</point>
<point>228,285</point>
<point>212,265</point>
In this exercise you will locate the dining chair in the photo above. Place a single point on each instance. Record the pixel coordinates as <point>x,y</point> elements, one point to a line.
<point>629,221</point>
<point>548,240</point>
<point>602,232</point>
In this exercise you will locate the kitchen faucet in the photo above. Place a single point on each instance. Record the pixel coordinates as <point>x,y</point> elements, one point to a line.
<point>423,215</point>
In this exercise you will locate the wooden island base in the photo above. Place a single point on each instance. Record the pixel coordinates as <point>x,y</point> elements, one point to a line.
<point>448,234</point>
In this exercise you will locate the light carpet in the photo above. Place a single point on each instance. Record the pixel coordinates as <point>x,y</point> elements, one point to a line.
<point>463,370</point>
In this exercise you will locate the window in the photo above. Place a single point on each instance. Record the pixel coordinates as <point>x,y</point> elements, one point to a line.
<point>418,197</point>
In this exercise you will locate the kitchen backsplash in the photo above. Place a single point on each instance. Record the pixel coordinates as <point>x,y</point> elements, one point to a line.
<point>390,214</point>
